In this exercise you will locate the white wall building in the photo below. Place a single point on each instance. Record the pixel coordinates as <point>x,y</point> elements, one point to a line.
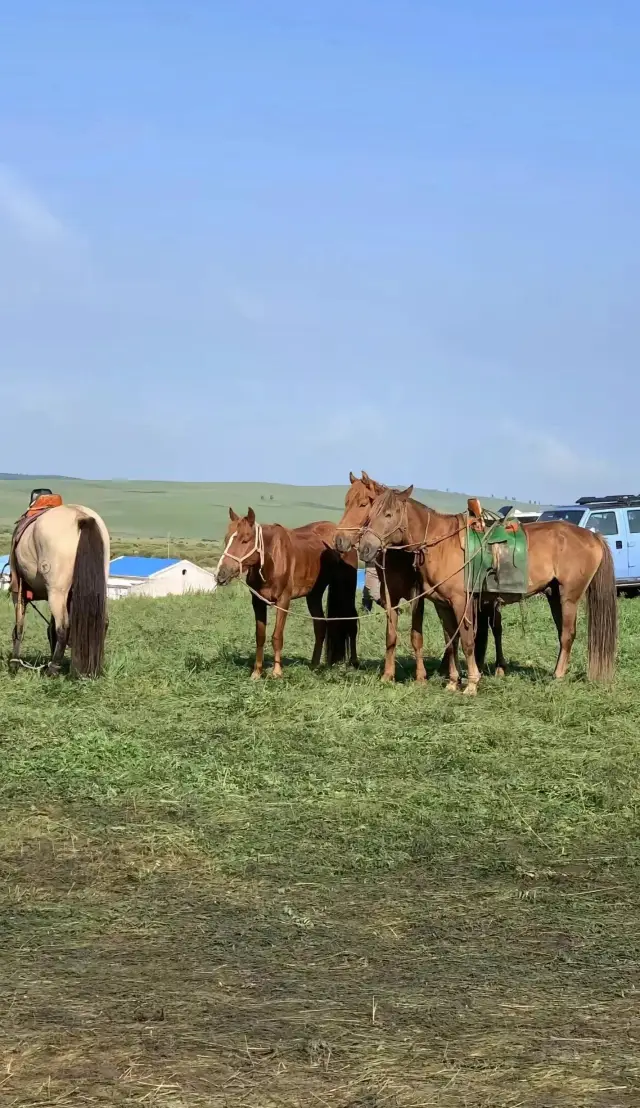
<point>136,576</point>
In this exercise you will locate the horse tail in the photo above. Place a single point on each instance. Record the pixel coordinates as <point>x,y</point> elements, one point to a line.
<point>88,616</point>
<point>602,615</point>
<point>342,627</point>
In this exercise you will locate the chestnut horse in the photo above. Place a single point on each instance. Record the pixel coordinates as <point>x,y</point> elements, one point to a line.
<point>283,565</point>
<point>565,562</point>
<point>404,583</point>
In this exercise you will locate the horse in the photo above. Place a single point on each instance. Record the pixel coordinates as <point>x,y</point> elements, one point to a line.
<point>565,563</point>
<point>285,564</point>
<point>63,557</point>
<point>404,583</point>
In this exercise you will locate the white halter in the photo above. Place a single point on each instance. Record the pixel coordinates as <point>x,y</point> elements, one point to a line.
<point>258,547</point>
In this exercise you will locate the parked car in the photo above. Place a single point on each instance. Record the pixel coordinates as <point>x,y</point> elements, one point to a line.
<point>618,519</point>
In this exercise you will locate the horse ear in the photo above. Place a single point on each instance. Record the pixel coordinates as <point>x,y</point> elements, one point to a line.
<point>352,479</point>
<point>377,488</point>
<point>251,516</point>
<point>406,493</point>
<point>366,478</point>
<point>233,515</point>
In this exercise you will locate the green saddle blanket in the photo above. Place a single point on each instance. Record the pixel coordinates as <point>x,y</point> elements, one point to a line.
<point>497,560</point>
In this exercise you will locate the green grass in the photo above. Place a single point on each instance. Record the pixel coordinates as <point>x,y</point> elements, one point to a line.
<point>153,509</point>
<point>320,891</point>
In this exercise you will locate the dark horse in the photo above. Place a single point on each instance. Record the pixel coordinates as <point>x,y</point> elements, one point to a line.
<point>404,583</point>
<point>283,565</point>
<point>565,562</point>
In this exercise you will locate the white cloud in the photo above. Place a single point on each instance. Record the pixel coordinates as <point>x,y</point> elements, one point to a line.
<point>27,213</point>
<point>251,308</point>
<point>345,427</point>
<point>550,456</point>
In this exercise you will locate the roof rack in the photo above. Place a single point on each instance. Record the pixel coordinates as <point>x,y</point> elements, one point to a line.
<point>624,500</point>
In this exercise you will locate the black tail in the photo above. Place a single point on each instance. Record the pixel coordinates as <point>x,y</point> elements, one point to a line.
<point>88,622</point>
<point>342,627</point>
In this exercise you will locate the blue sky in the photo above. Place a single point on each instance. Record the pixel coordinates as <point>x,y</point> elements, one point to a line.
<point>273,240</point>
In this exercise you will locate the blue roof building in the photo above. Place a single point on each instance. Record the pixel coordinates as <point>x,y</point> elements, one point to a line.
<point>134,575</point>
<point>132,565</point>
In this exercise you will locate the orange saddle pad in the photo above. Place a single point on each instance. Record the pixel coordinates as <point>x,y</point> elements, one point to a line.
<point>43,503</point>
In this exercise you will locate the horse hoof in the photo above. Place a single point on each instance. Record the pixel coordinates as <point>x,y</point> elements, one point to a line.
<point>256,674</point>
<point>52,671</point>
<point>500,671</point>
<point>471,690</point>
<point>276,674</point>
<point>451,686</point>
<point>388,678</point>
<point>14,665</point>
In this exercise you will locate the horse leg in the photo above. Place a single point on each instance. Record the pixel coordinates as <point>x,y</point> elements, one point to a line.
<point>389,672</point>
<point>417,618</point>
<point>282,611</point>
<point>314,604</point>
<point>495,621</point>
<point>465,626</point>
<point>60,622</point>
<point>18,630</point>
<point>564,610</point>
<point>52,634</point>
<point>446,668</point>
<point>260,613</point>
<point>482,632</point>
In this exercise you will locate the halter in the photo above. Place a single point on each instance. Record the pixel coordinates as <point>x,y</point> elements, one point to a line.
<point>402,526</point>
<point>258,547</point>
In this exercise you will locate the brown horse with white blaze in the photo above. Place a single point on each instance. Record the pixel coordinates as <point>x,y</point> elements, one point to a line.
<point>282,565</point>
<point>405,583</point>
<point>565,562</point>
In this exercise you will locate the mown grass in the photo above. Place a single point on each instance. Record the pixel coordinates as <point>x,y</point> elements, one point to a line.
<point>321,890</point>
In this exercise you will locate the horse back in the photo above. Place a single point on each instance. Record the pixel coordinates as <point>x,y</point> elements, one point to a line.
<point>46,553</point>
<point>561,550</point>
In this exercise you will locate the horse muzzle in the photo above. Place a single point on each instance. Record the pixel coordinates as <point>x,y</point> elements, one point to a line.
<point>369,548</point>
<point>343,543</point>
<point>226,573</point>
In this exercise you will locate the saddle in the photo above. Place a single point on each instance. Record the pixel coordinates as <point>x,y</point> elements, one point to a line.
<point>496,552</point>
<point>40,501</point>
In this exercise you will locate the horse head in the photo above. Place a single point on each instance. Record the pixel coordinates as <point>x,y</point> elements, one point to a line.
<point>386,524</point>
<point>243,546</point>
<point>360,496</point>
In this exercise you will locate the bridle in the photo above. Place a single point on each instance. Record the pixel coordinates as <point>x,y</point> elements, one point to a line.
<point>257,548</point>
<point>402,527</point>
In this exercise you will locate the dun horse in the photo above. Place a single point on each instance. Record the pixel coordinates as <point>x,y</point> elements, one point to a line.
<point>404,583</point>
<point>565,562</point>
<point>63,558</point>
<point>283,565</point>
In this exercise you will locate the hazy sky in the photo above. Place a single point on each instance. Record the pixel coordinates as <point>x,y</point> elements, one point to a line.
<point>269,239</point>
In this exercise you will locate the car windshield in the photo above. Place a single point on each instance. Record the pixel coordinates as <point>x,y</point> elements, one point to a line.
<point>568,515</point>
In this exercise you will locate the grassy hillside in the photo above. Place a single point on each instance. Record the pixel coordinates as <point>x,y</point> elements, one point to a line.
<point>153,509</point>
<point>322,891</point>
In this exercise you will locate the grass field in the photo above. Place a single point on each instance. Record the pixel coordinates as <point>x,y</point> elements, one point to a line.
<point>320,891</point>
<point>152,509</point>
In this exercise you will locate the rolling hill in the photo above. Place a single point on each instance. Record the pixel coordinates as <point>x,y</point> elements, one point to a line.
<point>153,509</point>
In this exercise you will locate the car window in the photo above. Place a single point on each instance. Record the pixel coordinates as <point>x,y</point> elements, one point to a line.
<point>604,522</point>
<point>567,515</point>
<point>634,521</point>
